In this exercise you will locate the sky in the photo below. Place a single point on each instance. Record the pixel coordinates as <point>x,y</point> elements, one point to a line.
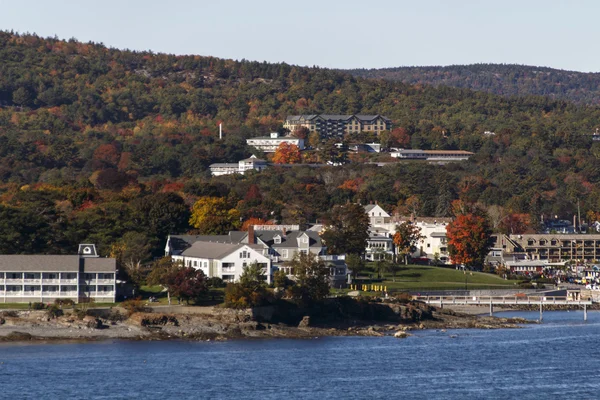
<point>333,34</point>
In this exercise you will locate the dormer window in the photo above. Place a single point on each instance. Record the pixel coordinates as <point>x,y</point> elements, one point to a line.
<point>305,239</point>
<point>277,239</point>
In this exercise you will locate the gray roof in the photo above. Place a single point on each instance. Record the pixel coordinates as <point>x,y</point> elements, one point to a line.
<point>254,160</point>
<point>369,207</point>
<point>361,117</point>
<point>288,239</point>
<point>211,250</point>
<point>55,263</point>
<point>39,263</point>
<point>224,165</point>
<point>181,242</point>
<point>98,264</point>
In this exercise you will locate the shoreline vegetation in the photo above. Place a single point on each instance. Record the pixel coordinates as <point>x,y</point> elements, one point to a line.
<point>220,324</point>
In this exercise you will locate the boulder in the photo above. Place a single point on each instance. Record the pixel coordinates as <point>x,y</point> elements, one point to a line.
<point>305,323</point>
<point>401,335</point>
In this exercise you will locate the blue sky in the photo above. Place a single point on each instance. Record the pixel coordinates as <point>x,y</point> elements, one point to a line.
<point>344,34</point>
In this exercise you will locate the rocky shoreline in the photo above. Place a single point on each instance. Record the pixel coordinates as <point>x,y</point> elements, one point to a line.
<point>223,324</point>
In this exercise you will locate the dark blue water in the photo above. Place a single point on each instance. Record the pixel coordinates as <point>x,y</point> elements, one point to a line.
<point>558,359</point>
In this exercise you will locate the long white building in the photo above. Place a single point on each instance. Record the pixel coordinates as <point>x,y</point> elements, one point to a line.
<point>45,278</point>
<point>241,167</point>
<point>269,144</point>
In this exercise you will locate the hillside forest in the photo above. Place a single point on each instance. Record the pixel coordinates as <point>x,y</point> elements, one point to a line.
<point>502,79</point>
<point>112,147</point>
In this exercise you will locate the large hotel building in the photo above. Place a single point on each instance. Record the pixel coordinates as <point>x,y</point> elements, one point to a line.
<point>338,125</point>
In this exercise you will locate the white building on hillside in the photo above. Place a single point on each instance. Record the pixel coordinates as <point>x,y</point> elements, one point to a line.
<point>224,260</point>
<point>269,144</point>
<point>241,167</point>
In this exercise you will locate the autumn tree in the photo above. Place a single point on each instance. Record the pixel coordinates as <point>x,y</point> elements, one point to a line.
<point>314,140</point>
<point>287,153</point>
<point>347,229</point>
<point>406,238</point>
<point>130,252</point>
<point>213,216</point>
<point>301,132</point>
<point>249,291</point>
<point>187,283</point>
<point>469,239</point>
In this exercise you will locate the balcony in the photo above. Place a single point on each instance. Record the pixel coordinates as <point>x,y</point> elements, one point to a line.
<point>105,281</point>
<point>103,294</point>
<point>69,281</point>
<point>14,281</point>
<point>36,293</point>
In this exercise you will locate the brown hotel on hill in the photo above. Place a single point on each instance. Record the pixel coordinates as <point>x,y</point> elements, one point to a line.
<point>552,247</point>
<point>338,125</point>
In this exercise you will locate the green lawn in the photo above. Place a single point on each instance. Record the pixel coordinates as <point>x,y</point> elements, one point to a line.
<point>422,277</point>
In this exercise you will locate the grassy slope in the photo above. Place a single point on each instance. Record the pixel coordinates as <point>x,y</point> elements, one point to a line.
<point>417,277</point>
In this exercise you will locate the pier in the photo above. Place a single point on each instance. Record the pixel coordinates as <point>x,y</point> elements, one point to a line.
<point>506,300</point>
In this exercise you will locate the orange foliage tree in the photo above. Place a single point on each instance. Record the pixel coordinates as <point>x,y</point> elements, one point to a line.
<point>469,239</point>
<point>287,153</point>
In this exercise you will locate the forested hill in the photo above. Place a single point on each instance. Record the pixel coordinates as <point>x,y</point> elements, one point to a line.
<point>502,79</point>
<point>107,146</point>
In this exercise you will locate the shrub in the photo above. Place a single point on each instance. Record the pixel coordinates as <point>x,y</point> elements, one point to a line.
<point>403,297</point>
<point>9,314</point>
<point>38,306</point>
<point>116,316</point>
<point>54,311</point>
<point>216,282</point>
<point>64,302</point>
<point>133,306</point>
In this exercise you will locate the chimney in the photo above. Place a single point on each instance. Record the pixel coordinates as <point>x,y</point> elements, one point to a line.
<point>251,234</point>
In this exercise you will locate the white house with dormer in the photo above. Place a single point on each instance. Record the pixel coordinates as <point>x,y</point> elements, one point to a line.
<point>224,260</point>
<point>377,215</point>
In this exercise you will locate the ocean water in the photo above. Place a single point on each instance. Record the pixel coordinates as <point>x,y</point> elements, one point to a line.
<point>557,359</point>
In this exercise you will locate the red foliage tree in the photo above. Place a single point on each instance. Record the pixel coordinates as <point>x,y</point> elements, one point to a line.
<point>107,153</point>
<point>187,283</point>
<point>399,137</point>
<point>469,239</point>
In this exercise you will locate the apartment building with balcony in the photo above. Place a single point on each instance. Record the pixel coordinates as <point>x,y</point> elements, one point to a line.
<point>553,247</point>
<point>45,278</point>
<point>329,125</point>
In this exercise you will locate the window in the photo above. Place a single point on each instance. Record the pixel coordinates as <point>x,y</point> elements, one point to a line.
<point>428,244</point>
<point>284,253</point>
<point>195,263</point>
<point>305,239</point>
<point>305,252</point>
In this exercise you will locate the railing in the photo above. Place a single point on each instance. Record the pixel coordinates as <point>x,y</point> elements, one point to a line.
<point>9,281</point>
<point>32,280</point>
<point>485,300</point>
<point>102,294</point>
<point>24,294</point>
<point>69,281</point>
<point>52,281</point>
<point>105,281</point>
